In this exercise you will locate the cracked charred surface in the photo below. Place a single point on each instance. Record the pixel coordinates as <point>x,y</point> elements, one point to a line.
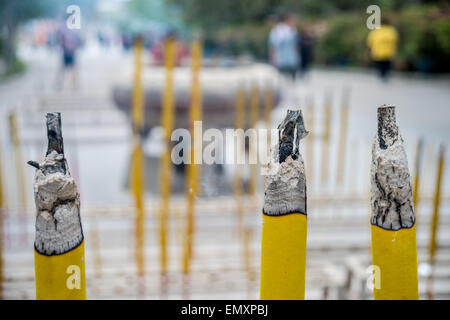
<point>58,223</point>
<point>286,185</point>
<point>391,192</point>
<point>293,123</point>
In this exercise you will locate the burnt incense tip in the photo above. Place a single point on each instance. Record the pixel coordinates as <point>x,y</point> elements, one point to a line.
<point>391,191</point>
<point>58,222</point>
<point>387,126</point>
<point>290,132</point>
<point>285,190</point>
<point>54,133</point>
<point>33,164</point>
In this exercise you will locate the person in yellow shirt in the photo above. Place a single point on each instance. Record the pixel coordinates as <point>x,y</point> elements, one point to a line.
<point>382,44</point>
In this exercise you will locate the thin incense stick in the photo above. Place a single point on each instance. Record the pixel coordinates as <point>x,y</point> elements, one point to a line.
<point>343,136</point>
<point>2,214</point>
<point>137,181</point>
<point>417,175</point>
<point>193,168</point>
<point>435,220</point>
<point>167,121</point>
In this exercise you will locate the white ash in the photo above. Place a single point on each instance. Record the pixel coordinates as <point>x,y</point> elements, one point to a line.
<point>391,195</point>
<point>285,187</point>
<point>58,223</point>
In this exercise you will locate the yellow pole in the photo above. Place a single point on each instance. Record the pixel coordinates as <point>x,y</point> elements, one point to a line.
<point>237,180</point>
<point>59,252</point>
<point>18,159</point>
<point>417,175</point>
<point>2,212</point>
<point>343,136</point>
<point>434,223</point>
<point>437,200</point>
<point>254,116</point>
<point>393,227</point>
<point>354,165</point>
<point>137,173</point>
<point>193,168</point>
<point>284,231</point>
<point>248,233</point>
<point>95,240</point>
<point>326,138</point>
<point>268,106</point>
<point>167,122</point>
<point>310,139</point>
<point>137,108</point>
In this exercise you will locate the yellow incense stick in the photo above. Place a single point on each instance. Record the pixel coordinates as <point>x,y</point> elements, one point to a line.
<point>417,175</point>
<point>254,116</point>
<point>61,277</point>
<point>268,106</point>
<point>167,120</point>
<point>326,139</point>
<point>18,159</point>
<point>237,179</point>
<point>393,226</point>
<point>284,231</point>
<point>310,139</point>
<point>2,214</point>
<point>59,240</point>
<point>137,181</point>
<point>437,200</point>
<point>193,168</point>
<point>343,136</point>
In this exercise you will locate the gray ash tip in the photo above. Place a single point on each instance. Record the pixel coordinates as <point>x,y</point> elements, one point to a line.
<point>58,222</point>
<point>285,190</point>
<point>387,126</point>
<point>290,132</point>
<point>391,192</point>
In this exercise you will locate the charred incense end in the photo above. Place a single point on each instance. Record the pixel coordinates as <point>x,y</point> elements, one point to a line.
<point>291,129</point>
<point>58,223</point>
<point>387,126</point>
<point>54,133</point>
<point>391,192</point>
<point>286,188</point>
<point>33,164</point>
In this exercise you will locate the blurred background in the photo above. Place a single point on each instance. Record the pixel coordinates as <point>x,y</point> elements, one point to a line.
<point>257,59</point>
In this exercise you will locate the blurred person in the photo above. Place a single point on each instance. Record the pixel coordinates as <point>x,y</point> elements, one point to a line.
<point>127,42</point>
<point>272,20</point>
<point>157,52</point>
<point>382,44</point>
<point>157,49</point>
<point>283,46</point>
<point>70,42</point>
<point>306,49</point>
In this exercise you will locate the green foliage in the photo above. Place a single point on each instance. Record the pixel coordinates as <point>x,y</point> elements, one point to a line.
<point>240,26</point>
<point>16,67</point>
<point>424,38</point>
<point>424,43</point>
<point>248,38</point>
<point>343,43</point>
